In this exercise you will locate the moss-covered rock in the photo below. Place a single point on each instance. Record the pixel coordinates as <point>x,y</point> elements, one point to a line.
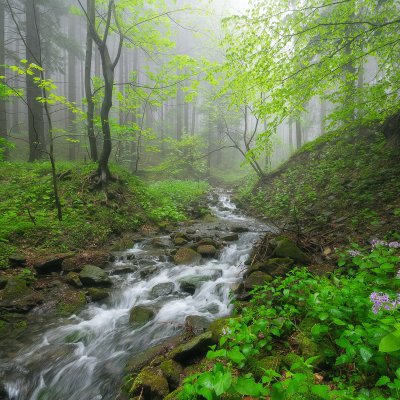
<point>218,327</point>
<point>17,260</point>
<point>97,294</point>
<point>285,248</point>
<point>72,279</point>
<point>172,372</point>
<point>150,384</point>
<point>93,276</point>
<point>162,289</point>
<point>76,263</point>
<point>194,349</point>
<point>207,250</point>
<point>140,315</point>
<point>257,278</point>
<point>50,263</point>
<point>273,266</point>
<point>73,302</point>
<point>185,255</point>
<point>196,324</point>
<point>173,395</point>
<point>18,297</point>
<point>180,241</point>
<point>266,363</point>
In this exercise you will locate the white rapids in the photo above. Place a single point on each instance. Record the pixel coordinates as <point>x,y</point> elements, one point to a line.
<point>83,357</point>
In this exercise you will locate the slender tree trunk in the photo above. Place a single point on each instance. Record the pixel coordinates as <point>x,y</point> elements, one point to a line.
<point>323,116</point>
<point>162,131</point>
<point>3,112</point>
<point>179,113</point>
<point>88,83</point>
<point>193,129</point>
<point>298,133</point>
<point>291,134</point>
<point>35,108</point>
<point>121,79</point>
<point>71,90</point>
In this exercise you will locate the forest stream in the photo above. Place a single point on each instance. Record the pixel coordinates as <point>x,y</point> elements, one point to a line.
<point>83,357</point>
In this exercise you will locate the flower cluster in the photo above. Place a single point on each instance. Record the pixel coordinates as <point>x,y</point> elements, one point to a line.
<point>377,242</point>
<point>354,253</point>
<point>382,301</point>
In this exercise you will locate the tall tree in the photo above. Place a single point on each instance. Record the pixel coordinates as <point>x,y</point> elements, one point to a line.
<point>3,113</point>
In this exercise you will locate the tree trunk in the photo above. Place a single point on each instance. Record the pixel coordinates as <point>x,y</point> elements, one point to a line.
<point>88,83</point>
<point>71,91</point>
<point>291,134</point>
<point>179,113</point>
<point>323,116</point>
<point>3,113</point>
<point>298,133</point>
<point>193,129</point>
<point>35,108</point>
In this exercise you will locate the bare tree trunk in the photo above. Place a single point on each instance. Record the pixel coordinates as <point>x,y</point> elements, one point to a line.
<point>35,109</point>
<point>162,131</point>
<point>291,134</point>
<point>193,129</point>
<point>3,112</point>
<point>323,116</point>
<point>298,133</point>
<point>179,113</point>
<point>88,84</point>
<point>71,90</point>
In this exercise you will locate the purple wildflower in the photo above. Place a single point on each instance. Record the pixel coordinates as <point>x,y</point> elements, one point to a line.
<point>382,301</point>
<point>354,253</point>
<point>377,242</point>
<point>394,245</point>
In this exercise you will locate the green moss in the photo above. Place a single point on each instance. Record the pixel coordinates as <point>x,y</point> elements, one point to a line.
<point>74,304</point>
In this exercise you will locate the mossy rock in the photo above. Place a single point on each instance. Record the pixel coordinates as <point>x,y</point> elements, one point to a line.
<point>217,328</point>
<point>266,363</point>
<point>18,297</point>
<point>97,294</point>
<point>172,372</point>
<point>73,303</point>
<point>162,289</point>
<point>207,250</point>
<point>196,348</point>
<point>93,276</point>
<point>257,278</point>
<point>72,279</point>
<point>17,260</point>
<point>196,324</point>
<point>180,241</point>
<point>274,266</point>
<point>285,248</point>
<point>140,315</point>
<point>185,255</point>
<point>308,348</point>
<point>150,384</point>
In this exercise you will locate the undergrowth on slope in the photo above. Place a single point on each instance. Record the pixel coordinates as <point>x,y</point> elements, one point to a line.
<point>305,337</point>
<point>90,216</point>
<point>339,178</point>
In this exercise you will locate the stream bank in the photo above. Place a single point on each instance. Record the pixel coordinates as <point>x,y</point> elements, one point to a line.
<point>83,356</point>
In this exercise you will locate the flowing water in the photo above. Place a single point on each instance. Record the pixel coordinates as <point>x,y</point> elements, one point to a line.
<point>90,368</point>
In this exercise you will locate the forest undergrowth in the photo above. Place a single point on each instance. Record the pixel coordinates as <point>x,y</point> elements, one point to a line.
<point>91,218</point>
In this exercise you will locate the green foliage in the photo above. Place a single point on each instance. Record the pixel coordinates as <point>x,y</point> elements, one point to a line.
<point>185,160</point>
<point>338,330</point>
<point>168,200</point>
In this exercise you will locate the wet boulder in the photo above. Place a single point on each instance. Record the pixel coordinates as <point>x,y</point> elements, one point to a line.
<point>207,241</point>
<point>160,243</point>
<point>207,250</point>
<point>285,248</point>
<point>218,328</point>
<point>77,262</point>
<point>230,237</point>
<point>240,229</point>
<point>186,255</point>
<point>92,276</point>
<point>3,281</point>
<point>189,284</point>
<point>140,315</point>
<point>51,263</point>
<point>150,384</point>
<point>196,324</point>
<point>162,289</point>
<point>194,349</point>
<point>123,271</point>
<point>257,278</point>
<point>97,294</point>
